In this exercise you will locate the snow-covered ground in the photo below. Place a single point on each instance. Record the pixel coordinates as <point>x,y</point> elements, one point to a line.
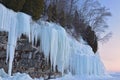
<point>110,76</point>
<point>18,76</point>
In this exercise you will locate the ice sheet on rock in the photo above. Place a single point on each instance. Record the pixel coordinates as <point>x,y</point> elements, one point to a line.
<point>5,18</point>
<point>65,52</point>
<point>83,61</point>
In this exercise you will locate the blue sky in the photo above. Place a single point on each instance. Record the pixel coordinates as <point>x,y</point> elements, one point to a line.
<point>110,51</point>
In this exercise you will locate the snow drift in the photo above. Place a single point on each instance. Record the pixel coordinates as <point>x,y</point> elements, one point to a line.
<point>65,52</point>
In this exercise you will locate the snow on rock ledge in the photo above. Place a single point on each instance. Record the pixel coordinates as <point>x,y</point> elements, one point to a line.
<point>17,76</point>
<point>65,52</point>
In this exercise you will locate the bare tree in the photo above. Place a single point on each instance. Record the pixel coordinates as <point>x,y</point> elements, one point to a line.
<point>94,15</point>
<point>72,5</point>
<point>105,38</point>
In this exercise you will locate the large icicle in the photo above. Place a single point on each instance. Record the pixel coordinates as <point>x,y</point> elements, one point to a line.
<point>15,24</point>
<point>12,38</point>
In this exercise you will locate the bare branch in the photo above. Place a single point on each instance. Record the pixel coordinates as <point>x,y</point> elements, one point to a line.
<point>105,38</point>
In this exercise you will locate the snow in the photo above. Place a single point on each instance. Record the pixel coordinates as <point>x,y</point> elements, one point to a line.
<point>105,77</point>
<point>69,76</point>
<point>68,54</point>
<point>16,76</point>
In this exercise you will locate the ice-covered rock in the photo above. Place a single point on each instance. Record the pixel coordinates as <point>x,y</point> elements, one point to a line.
<point>83,61</point>
<point>65,52</point>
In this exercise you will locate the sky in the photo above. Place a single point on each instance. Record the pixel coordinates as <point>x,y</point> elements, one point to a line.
<point>110,51</point>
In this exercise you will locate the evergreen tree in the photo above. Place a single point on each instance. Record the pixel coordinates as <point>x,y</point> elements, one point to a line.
<point>49,12</point>
<point>62,19</point>
<point>52,13</point>
<point>34,8</point>
<point>16,5</point>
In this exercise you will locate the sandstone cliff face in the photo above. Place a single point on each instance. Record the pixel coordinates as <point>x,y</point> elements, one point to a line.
<point>27,58</point>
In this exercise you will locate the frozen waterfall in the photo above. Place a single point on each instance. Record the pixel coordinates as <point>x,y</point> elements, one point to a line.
<point>65,52</point>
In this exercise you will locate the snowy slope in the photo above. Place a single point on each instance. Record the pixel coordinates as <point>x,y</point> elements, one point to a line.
<point>68,54</point>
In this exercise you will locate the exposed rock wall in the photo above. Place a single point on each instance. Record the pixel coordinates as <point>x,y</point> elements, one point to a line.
<point>3,47</point>
<point>27,58</point>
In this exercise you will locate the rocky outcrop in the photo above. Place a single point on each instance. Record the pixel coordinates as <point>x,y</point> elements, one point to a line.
<point>3,46</point>
<point>27,58</point>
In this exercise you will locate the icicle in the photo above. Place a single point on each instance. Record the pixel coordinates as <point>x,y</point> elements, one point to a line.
<point>23,25</point>
<point>12,39</point>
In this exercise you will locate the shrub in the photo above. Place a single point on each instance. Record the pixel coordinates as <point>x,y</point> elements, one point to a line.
<point>34,8</point>
<point>52,13</point>
<point>90,37</point>
<point>62,18</point>
<point>31,7</point>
